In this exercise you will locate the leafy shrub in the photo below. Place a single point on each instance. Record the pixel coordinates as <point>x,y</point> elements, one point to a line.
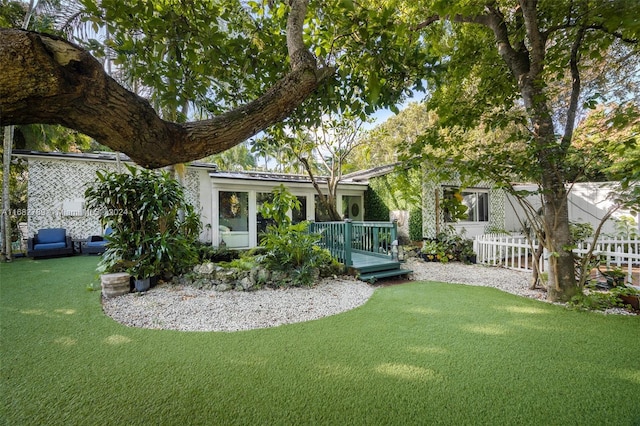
<point>434,250</point>
<point>374,207</point>
<point>601,300</point>
<point>448,246</point>
<point>293,249</point>
<point>244,262</point>
<point>154,228</point>
<point>580,231</point>
<point>290,248</point>
<point>208,253</point>
<point>415,224</point>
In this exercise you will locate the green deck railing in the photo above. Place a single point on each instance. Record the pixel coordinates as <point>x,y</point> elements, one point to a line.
<point>342,239</point>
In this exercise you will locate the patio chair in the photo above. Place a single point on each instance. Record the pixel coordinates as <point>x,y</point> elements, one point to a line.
<point>50,242</point>
<point>97,244</point>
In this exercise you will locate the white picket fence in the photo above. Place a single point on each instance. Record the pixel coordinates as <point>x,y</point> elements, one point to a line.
<point>516,252</point>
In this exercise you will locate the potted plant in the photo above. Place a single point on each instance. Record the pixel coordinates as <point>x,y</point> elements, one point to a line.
<point>630,297</point>
<point>142,270</point>
<point>615,277</point>
<point>465,251</point>
<point>433,251</point>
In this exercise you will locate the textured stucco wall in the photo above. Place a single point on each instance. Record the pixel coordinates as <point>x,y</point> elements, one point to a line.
<point>431,186</point>
<point>52,182</point>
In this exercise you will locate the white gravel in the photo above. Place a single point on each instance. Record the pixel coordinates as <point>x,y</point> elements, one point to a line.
<point>511,281</point>
<point>189,309</point>
<point>186,308</point>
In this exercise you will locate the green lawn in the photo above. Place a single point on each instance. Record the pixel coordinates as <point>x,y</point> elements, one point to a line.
<point>420,353</point>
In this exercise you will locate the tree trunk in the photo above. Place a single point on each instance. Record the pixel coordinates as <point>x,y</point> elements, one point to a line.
<point>551,155</point>
<point>327,201</point>
<point>562,285</point>
<point>6,204</point>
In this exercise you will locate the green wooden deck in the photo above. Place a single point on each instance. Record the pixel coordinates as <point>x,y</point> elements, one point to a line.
<point>363,247</point>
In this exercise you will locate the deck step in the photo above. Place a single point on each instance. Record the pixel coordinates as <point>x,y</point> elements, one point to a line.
<point>377,266</point>
<point>383,274</point>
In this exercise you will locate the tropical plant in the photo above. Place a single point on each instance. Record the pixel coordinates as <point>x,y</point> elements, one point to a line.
<point>154,228</point>
<point>598,300</point>
<point>290,248</point>
<point>452,205</point>
<point>626,227</point>
<point>434,251</point>
<point>448,246</point>
<point>464,251</point>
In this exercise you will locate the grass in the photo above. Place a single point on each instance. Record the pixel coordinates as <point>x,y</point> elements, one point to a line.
<point>420,353</point>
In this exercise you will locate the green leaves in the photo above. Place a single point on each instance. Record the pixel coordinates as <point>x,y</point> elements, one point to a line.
<point>281,204</point>
<point>154,228</point>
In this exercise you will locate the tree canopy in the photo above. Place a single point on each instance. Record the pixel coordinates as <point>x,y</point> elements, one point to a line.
<point>58,82</point>
<point>224,62</point>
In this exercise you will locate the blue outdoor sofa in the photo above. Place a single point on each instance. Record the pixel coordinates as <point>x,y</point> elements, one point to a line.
<point>97,244</point>
<point>50,242</point>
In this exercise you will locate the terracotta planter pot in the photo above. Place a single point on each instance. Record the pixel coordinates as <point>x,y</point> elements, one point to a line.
<point>634,301</point>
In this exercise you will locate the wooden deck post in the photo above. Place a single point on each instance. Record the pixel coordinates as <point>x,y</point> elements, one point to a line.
<point>348,233</point>
<point>394,231</point>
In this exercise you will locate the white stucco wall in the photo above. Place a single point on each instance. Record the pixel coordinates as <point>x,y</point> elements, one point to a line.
<point>249,238</point>
<point>588,202</point>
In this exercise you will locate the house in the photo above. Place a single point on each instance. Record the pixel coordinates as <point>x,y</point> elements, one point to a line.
<point>228,202</point>
<point>470,211</point>
<point>481,208</point>
<point>588,202</point>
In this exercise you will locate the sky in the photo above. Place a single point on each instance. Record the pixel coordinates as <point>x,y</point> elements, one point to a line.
<point>384,114</point>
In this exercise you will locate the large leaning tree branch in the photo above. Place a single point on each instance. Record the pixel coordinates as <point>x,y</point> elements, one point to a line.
<point>45,79</point>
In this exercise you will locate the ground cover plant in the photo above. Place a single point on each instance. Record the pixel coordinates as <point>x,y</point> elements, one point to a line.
<point>419,353</point>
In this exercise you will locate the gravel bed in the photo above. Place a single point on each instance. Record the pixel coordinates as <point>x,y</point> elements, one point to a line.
<point>187,308</point>
<point>515,282</point>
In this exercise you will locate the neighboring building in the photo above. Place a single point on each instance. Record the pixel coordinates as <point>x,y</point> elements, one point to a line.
<point>228,202</point>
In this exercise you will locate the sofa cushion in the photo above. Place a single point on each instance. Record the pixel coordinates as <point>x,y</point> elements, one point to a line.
<point>52,235</point>
<point>48,246</point>
<point>98,243</point>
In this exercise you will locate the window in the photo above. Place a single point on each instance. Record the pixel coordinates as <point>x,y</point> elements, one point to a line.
<point>234,210</point>
<point>261,222</point>
<point>298,216</point>
<point>322,214</point>
<point>468,205</point>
